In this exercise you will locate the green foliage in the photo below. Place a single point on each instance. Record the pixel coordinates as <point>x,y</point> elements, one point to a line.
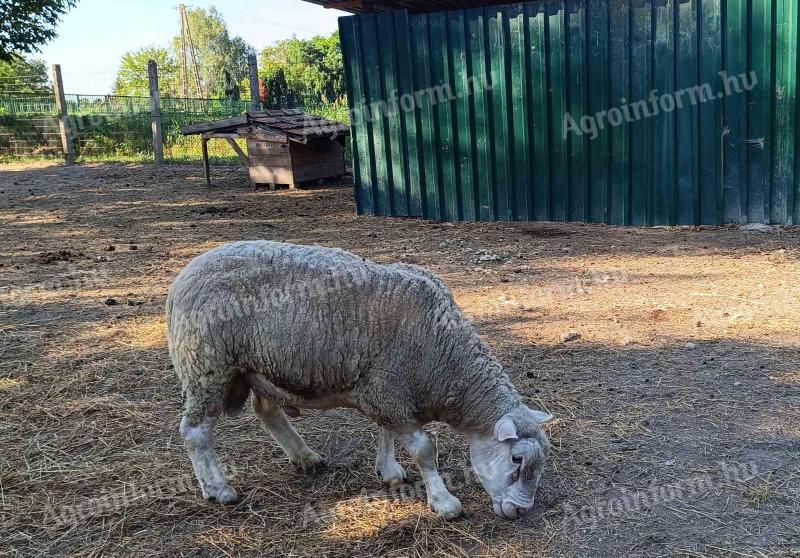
<point>296,73</point>
<point>25,87</point>
<point>27,24</point>
<point>127,134</point>
<point>221,60</point>
<point>279,94</point>
<point>132,74</point>
<point>230,88</point>
<point>22,76</point>
<point>312,68</point>
<point>216,50</point>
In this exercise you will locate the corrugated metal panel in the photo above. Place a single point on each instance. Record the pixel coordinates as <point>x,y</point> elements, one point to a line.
<point>461,114</point>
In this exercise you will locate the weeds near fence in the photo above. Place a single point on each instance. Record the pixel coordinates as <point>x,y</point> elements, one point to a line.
<point>118,128</point>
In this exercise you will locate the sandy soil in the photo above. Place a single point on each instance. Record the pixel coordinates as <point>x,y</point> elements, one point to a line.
<point>677,402</point>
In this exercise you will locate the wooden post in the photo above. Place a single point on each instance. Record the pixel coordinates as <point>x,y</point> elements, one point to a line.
<point>155,112</point>
<point>238,150</point>
<point>255,94</point>
<point>204,144</point>
<point>63,116</point>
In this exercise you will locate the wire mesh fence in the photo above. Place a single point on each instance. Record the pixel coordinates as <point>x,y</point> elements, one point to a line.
<point>29,136</point>
<point>117,126</point>
<point>106,126</point>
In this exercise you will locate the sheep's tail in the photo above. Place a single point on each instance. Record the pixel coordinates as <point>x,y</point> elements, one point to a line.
<point>168,311</point>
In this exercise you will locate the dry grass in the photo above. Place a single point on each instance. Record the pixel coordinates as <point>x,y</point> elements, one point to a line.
<point>687,357</point>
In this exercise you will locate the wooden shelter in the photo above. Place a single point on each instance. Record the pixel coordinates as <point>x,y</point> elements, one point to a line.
<point>283,146</point>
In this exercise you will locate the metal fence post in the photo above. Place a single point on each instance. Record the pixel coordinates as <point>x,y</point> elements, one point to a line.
<point>155,112</point>
<point>255,94</point>
<point>63,116</point>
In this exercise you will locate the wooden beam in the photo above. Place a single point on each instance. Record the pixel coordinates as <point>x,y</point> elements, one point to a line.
<point>221,135</point>
<point>267,135</point>
<point>238,150</point>
<point>207,170</point>
<point>215,125</point>
<point>349,4</point>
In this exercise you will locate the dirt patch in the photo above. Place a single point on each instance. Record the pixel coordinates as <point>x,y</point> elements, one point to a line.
<point>217,210</point>
<point>669,357</point>
<point>59,256</point>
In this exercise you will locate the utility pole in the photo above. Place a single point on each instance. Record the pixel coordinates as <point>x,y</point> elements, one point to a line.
<point>184,66</point>
<point>188,44</point>
<point>197,81</point>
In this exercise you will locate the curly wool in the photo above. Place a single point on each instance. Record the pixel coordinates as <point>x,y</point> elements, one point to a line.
<point>320,327</point>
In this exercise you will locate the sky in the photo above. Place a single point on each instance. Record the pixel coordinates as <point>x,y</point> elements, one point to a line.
<point>93,36</point>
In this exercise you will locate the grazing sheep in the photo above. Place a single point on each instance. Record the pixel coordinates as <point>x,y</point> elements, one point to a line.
<point>318,328</point>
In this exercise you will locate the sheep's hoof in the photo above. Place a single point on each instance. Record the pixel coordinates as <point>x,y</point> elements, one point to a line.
<point>309,464</point>
<point>392,474</point>
<point>446,506</point>
<point>226,495</point>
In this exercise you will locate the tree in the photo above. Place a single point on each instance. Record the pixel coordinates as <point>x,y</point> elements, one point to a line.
<point>230,87</point>
<point>132,76</point>
<point>278,92</point>
<point>27,24</point>
<point>321,66</point>
<point>217,51</point>
<point>312,68</point>
<point>21,76</point>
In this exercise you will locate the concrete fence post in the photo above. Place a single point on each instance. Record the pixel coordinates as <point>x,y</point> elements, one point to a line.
<point>155,112</point>
<point>63,116</point>
<point>255,94</point>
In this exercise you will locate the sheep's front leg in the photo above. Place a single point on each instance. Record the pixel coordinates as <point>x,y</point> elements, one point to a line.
<point>207,469</point>
<point>272,416</point>
<point>424,453</point>
<point>386,465</point>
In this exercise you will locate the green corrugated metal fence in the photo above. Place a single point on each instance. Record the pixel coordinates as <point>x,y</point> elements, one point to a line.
<point>461,114</point>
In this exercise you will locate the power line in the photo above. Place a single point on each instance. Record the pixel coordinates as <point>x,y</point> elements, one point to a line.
<point>257,21</point>
<point>250,20</point>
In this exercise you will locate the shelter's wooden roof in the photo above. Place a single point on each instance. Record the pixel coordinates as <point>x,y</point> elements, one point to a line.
<point>413,6</point>
<point>294,123</point>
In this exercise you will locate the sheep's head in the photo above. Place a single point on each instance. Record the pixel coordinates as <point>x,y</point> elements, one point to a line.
<point>510,459</point>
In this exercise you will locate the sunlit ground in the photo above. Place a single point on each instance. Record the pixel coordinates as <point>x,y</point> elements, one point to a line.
<point>664,354</point>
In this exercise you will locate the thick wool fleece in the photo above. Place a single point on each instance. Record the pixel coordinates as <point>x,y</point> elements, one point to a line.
<point>318,327</point>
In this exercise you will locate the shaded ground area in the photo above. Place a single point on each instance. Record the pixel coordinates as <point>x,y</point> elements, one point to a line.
<point>677,401</point>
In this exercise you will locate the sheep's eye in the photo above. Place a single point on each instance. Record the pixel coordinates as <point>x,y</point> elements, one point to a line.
<point>516,459</point>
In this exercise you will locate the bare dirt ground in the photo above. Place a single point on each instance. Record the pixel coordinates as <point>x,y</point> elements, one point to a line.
<point>678,406</point>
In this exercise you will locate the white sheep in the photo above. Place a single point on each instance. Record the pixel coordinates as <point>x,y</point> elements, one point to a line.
<point>318,328</point>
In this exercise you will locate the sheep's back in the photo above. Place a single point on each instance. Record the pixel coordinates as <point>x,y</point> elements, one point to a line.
<point>313,320</point>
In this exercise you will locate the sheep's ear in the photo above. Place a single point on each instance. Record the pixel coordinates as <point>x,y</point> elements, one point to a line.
<point>505,429</point>
<point>540,417</point>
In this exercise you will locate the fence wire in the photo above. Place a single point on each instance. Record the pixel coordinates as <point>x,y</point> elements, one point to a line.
<point>116,126</point>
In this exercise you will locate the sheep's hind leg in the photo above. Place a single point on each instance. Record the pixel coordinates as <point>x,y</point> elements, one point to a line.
<point>198,440</point>
<point>386,465</point>
<point>272,416</point>
<point>422,450</point>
